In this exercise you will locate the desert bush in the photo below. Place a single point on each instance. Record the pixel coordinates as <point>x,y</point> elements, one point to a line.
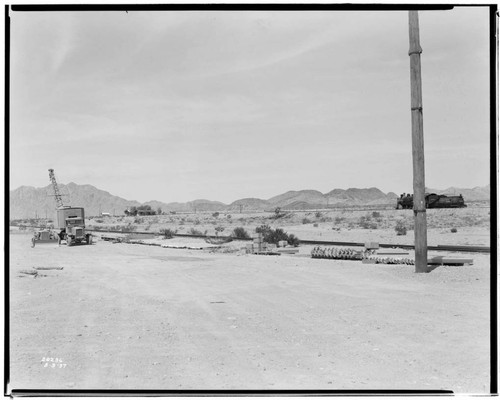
<point>454,230</point>
<point>315,225</point>
<point>339,220</point>
<point>365,222</point>
<point>276,235</point>
<point>168,233</point>
<point>375,214</point>
<point>228,216</point>
<point>306,221</point>
<point>318,214</point>
<point>270,235</point>
<point>264,229</point>
<point>293,240</point>
<point>129,228</point>
<point>240,233</point>
<point>216,214</point>
<point>400,228</point>
<point>197,221</point>
<point>138,220</point>
<point>197,232</point>
<point>219,229</point>
<point>99,221</point>
<point>279,214</point>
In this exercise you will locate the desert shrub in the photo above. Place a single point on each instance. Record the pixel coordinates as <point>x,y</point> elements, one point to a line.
<point>264,229</point>
<point>400,228</point>
<point>365,222</point>
<point>197,232</point>
<point>339,220</point>
<point>129,228</point>
<point>270,235</point>
<point>454,230</point>
<point>219,229</point>
<point>279,214</point>
<point>318,214</point>
<point>306,221</point>
<point>315,225</point>
<point>276,235</point>
<point>197,221</point>
<point>375,214</point>
<point>168,233</point>
<point>228,216</point>
<point>293,240</point>
<point>138,220</point>
<point>99,221</point>
<point>240,233</point>
<point>216,214</point>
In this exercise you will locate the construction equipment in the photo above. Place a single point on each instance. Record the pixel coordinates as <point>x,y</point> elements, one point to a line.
<point>70,220</point>
<point>432,200</point>
<point>44,236</point>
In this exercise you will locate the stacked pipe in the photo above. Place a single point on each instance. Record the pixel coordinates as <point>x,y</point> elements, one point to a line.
<point>351,254</point>
<point>336,253</point>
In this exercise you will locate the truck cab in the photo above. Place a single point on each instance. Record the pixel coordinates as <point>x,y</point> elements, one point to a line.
<point>71,222</point>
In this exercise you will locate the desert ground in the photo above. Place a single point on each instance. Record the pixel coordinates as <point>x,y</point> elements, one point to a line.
<point>472,224</point>
<point>129,316</point>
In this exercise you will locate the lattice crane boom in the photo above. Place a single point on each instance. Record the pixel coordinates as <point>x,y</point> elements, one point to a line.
<point>57,194</point>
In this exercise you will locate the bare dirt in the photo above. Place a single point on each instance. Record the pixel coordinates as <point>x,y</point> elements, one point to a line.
<point>124,316</point>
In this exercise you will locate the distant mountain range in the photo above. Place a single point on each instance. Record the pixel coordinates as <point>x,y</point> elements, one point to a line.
<point>30,202</point>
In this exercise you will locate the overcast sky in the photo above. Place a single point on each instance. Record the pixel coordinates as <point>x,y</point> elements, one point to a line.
<point>177,106</point>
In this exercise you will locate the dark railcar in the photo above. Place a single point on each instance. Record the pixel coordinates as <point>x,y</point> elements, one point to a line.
<point>432,200</point>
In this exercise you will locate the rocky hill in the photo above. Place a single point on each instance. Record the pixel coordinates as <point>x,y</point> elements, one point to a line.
<point>30,202</point>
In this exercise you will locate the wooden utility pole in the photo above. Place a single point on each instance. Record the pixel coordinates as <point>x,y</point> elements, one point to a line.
<point>417,135</point>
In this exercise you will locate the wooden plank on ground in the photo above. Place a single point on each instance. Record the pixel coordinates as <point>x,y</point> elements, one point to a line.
<point>393,252</point>
<point>442,260</point>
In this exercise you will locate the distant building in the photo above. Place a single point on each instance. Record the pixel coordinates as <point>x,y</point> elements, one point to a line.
<point>146,212</point>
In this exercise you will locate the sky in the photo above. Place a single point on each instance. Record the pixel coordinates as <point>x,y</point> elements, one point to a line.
<point>222,105</point>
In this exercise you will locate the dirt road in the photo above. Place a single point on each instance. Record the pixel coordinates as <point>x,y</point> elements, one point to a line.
<point>121,316</point>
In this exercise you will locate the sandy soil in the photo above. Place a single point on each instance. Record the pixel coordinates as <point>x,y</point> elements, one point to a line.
<point>123,316</point>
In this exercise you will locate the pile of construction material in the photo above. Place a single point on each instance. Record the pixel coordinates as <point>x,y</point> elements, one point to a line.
<point>260,247</point>
<point>374,255</point>
<point>371,254</point>
<point>373,259</point>
<point>337,253</point>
